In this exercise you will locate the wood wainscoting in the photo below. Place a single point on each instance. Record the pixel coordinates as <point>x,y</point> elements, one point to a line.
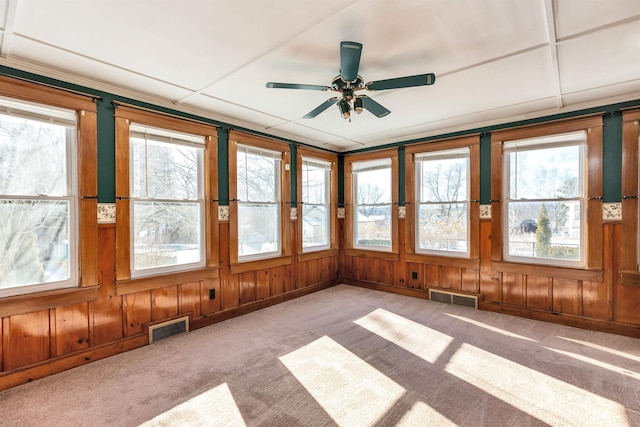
<point>598,301</point>
<point>39,343</point>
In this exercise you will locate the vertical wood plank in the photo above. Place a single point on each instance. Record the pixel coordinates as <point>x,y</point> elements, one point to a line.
<point>136,311</point>
<point>2,344</point>
<point>489,282</point>
<point>230,292</point>
<point>432,276</point>
<point>164,302</point>
<point>210,305</point>
<point>513,289</point>
<point>72,328</point>
<point>263,283</point>
<point>470,281</point>
<point>106,312</point>
<point>313,272</point>
<point>301,274</point>
<point>567,296</point>
<point>247,283</point>
<point>27,339</point>
<point>450,278</point>
<point>289,278</point>
<point>277,280</point>
<point>190,297</point>
<point>385,272</point>
<point>538,292</point>
<point>596,296</point>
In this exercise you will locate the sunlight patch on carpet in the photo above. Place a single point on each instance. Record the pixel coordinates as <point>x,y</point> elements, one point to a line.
<point>605,349</point>
<point>422,414</point>
<point>214,407</point>
<point>489,327</point>
<point>424,342</point>
<point>544,397</point>
<point>340,381</point>
<point>598,363</point>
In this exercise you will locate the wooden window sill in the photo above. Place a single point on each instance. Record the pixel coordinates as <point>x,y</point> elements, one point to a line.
<point>28,303</point>
<point>138,284</point>
<point>243,267</point>
<point>549,271</point>
<point>307,256</point>
<point>390,256</point>
<point>448,261</point>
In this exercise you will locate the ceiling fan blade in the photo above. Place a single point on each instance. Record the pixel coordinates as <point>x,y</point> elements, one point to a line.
<point>296,86</point>
<point>320,108</point>
<point>375,108</point>
<point>401,82</point>
<point>350,53</point>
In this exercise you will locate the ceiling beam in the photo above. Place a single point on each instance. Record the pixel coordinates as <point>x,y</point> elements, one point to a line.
<point>553,50</point>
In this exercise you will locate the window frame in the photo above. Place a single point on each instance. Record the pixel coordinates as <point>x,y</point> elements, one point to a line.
<point>126,115</point>
<point>237,264</point>
<point>592,270</point>
<point>452,259</point>
<point>349,229</point>
<point>332,248</point>
<point>630,251</point>
<point>84,288</point>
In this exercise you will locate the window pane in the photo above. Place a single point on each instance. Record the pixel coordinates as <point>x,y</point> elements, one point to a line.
<point>164,171</point>
<point>443,180</point>
<point>35,242</point>
<point>258,229</point>
<point>314,184</point>
<point>166,234</point>
<point>549,230</point>
<point>315,226</point>
<point>33,157</point>
<point>443,227</point>
<point>373,187</point>
<point>373,226</point>
<point>549,173</point>
<point>258,177</point>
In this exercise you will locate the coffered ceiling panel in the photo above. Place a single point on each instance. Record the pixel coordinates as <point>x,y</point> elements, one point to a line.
<point>495,61</point>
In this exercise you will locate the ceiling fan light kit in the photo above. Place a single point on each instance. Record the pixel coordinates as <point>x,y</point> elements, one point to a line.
<point>349,81</point>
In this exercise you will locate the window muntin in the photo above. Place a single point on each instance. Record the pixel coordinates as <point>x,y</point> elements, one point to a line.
<point>372,204</point>
<point>259,203</point>
<point>545,203</point>
<point>442,208</point>
<point>38,198</point>
<point>315,204</point>
<point>167,201</point>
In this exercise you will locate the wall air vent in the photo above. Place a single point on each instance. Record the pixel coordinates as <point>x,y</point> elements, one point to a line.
<point>453,298</point>
<point>169,328</point>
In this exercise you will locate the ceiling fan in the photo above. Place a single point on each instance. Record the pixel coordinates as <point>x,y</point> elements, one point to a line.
<point>349,82</point>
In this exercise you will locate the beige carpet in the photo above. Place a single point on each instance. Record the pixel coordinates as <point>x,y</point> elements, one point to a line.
<point>349,356</point>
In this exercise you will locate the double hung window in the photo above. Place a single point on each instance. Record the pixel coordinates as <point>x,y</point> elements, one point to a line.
<point>38,197</point>
<point>167,200</point>
<point>442,202</point>
<point>316,221</point>
<point>544,198</point>
<point>259,202</point>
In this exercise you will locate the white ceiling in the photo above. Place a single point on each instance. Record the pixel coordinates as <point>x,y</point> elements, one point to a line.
<point>495,60</point>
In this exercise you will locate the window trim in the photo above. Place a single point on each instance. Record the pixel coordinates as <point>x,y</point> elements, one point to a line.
<point>473,259</point>
<point>350,248</point>
<point>284,257</point>
<point>86,172</point>
<point>630,253</point>
<point>592,124</point>
<point>125,116</point>
<point>332,248</point>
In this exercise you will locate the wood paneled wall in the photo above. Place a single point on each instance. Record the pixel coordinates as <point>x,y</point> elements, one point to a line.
<point>607,305</point>
<point>40,343</point>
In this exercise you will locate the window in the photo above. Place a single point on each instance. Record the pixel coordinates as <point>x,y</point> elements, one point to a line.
<point>544,200</point>
<point>630,252</point>
<point>443,210</point>
<point>256,186</point>
<point>44,226</point>
<point>167,200</point>
<point>371,193</point>
<point>317,182</point>
<point>166,188</point>
<point>259,203</point>
<point>442,207</point>
<point>547,204</point>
